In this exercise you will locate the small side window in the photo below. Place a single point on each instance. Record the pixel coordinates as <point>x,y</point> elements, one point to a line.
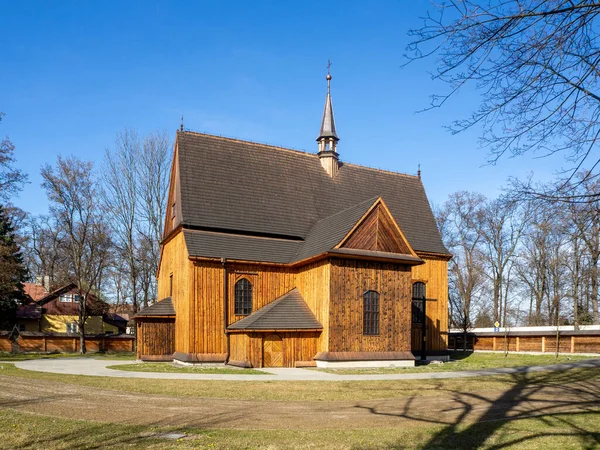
<point>243,298</point>
<point>371,313</point>
<point>418,300</point>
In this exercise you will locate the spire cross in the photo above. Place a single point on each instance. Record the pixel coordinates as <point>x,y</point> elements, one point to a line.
<point>328,65</point>
<point>328,76</point>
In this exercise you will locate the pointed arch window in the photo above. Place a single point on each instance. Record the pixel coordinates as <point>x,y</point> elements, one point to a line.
<point>418,300</point>
<point>371,313</point>
<point>243,297</point>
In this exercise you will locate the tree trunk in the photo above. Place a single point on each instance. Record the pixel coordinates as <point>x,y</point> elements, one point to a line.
<point>81,323</point>
<point>594,286</point>
<point>82,347</point>
<point>497,305</point>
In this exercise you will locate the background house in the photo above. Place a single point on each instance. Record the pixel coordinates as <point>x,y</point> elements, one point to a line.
<point>58,312</point>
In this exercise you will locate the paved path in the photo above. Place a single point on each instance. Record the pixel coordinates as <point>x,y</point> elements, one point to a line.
<point>97,367</point>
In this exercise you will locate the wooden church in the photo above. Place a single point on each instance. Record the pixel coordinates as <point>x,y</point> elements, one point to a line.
<point>273,257</point>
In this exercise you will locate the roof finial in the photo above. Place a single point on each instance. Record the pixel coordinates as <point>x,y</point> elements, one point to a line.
<point>328,137</point>
<point>181,126</point>
<point>419,172</point>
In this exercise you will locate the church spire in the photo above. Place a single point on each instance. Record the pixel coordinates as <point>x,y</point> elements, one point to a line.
<point>328,138</point>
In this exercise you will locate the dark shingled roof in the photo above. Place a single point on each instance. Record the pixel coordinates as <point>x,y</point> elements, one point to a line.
<point>330,231</point>
<point>288,312</point>
<point>409,259</point>
<point>159,309</point>
<point>233,246</point>
<point>246,188</point>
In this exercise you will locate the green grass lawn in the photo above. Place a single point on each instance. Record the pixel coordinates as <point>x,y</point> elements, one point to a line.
<point>564,431</point>
<point>469,361</point>
<point>5,356</point>
<point>173,368</point>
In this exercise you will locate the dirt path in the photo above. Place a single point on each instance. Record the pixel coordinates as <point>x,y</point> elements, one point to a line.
<point>78,402</point>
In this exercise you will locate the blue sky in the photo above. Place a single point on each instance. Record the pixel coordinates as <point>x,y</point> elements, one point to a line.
<point>73,74</point>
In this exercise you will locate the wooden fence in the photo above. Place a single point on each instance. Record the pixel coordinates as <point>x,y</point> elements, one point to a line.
<point>579,341</point>
<point>32,341</point>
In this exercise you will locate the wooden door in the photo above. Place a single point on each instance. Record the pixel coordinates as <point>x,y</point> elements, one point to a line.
<point>272,351</point>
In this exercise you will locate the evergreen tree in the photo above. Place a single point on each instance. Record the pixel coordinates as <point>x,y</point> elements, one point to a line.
<point>12,273</point>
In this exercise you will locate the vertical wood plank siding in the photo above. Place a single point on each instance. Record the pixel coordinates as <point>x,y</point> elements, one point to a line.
<point>569,343</point>
<point>314,283</point>
<point>208,305</point>
<point>332,289</point>
<point>365,236</point>
<point>377,232</point>
<point>268,283</point>
<point>434,273</point>
<point>349,281</point>
<point>155,337</point>
<point>257,348</point>
<point>174,260</point>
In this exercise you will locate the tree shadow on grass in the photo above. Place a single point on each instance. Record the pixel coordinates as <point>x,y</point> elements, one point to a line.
<point>555,401</point>
<point>89,435</point>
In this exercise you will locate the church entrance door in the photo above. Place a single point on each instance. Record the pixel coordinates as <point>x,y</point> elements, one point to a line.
<point>272,351</point>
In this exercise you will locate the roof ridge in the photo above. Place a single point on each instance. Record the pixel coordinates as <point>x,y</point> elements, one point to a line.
<point>376,169</point>
<point>293,150</point>
<point>255,143</point>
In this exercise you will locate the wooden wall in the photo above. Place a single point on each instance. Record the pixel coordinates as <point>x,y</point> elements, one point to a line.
<point>41,342</point>
<point>206,314</point>
<point>570,343</point>
<point>198,299</point>
<point>281,349</point>
<point>349,281</point>
<point>268,284</point>
<point>377,232</point>
<point>314,283</point>
<point>207,334</point>
<point>155,339</point>
<point>173,216</point>
<point>174,261</point>
<point>434,273</point>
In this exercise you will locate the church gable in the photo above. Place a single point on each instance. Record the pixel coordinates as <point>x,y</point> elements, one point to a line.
<point>377,231</point>
<point>173,211</point>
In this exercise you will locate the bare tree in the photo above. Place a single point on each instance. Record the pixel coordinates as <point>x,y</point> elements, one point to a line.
<point>136,177</point>
<point>503,224</point>
<point>535,63</point>
<point>120,197</point>
<point>72,191</point>
<point>460,222</point>
<point>154,168</point>
<point>45,251</point>
<point>11,178</point>
<point>533,264</point>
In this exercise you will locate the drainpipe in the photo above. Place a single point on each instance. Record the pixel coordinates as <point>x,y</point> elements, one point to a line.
<point>225,309</point>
